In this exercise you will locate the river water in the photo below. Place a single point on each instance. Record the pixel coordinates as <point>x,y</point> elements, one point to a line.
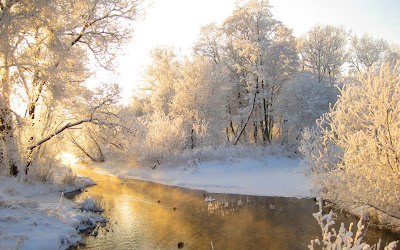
<point>146,215</point>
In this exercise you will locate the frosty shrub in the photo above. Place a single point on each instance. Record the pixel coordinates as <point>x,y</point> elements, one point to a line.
<point>321,155</point>
<point>363,131</point>
<point>48,168</point>
<point>44,169</point>
<point>91,203</point>
<point>344,239</point>
<point>66,176</point>
<point>161,138</point>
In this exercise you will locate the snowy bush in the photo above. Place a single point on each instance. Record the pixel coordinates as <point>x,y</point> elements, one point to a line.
<point>44,169</point>
<point>343,239</point>
<point>91,203</point>
<point>52,171</point>
<point>161,137</point>
<point>321,155</point>
<point>361,135</point>
<point>192,157</point>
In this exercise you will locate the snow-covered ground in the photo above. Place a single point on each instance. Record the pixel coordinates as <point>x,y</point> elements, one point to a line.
<point>269,177</point>
<point>35,216</point>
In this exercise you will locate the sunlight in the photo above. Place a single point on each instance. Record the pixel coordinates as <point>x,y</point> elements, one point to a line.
<point>126,211</point>
<point>258,98</point>
<point>68,159</point>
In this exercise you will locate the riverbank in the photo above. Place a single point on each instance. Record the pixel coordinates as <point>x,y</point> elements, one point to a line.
<point>34,215</point>
<point>270,176</point>
<point>147,215</point>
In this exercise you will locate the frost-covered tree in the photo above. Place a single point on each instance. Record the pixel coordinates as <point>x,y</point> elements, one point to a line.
<point>158,138</point>
<point>362,131</point>
<point>392,54</point>
<point>301,102</point>
<point>185,92</point>
<point>231,84</point>
<point>199,101</point>
<point>210,43</point>
<point>161,77</point>
<point>322,51</point>
<point>45,46</point>
<point>260,53</point>
<point>96,139</point>
<point>366,52</point>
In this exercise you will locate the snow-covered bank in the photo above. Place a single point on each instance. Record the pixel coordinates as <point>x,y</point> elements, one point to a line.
<point>35,216</point>
<point>269,177</point>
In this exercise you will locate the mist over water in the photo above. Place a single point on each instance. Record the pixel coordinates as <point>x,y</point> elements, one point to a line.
<point>141,215</point>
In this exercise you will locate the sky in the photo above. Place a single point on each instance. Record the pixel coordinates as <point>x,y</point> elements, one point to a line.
<point>177,23</point>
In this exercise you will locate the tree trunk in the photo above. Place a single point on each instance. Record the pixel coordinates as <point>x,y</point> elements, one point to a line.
<point>9,149</point>
<point>37,87</point>
<point>267,122</point>
<point>227,134</point>
<point>247,121</point>
<point>262,128</point>
<point>101,157</point>
<point>192,137</point>
<point>255,133</point>
<point>230,124</point>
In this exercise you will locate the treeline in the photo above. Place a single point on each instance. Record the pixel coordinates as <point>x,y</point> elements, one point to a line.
<point>250,81</point>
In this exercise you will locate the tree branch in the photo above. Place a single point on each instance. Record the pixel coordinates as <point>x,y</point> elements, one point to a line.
<point>68,125</point>
<point>82,149</point>
<point>380,210</point>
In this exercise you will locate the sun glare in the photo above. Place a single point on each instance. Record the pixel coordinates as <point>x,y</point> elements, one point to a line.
<point>68,159</point>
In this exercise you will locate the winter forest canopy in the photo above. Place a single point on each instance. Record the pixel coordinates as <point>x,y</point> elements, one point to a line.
<point>328,96</point>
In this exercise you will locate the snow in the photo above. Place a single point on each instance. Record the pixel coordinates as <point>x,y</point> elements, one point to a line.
<point>36,216</point>
<point>272,176</point>
<point>90,204</point>
<point>209,199</point>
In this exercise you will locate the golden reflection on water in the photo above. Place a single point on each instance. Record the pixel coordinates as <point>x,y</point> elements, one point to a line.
<point>141,216</point>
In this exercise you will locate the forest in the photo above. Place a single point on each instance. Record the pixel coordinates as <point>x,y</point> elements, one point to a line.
<point>328,97</point>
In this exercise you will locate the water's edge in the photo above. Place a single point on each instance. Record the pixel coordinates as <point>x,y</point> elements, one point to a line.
<point>148,215</point>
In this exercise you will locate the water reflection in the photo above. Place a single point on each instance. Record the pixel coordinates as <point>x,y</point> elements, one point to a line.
<point>141,216</point>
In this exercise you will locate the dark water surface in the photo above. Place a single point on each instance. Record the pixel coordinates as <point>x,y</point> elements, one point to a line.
<point>141,215</point>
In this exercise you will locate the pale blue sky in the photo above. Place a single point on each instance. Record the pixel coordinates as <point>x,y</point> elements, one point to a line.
<point>177,23</point>
<point>380,18</point>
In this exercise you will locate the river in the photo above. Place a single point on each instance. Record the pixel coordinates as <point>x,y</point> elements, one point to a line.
<point>146,215</point>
